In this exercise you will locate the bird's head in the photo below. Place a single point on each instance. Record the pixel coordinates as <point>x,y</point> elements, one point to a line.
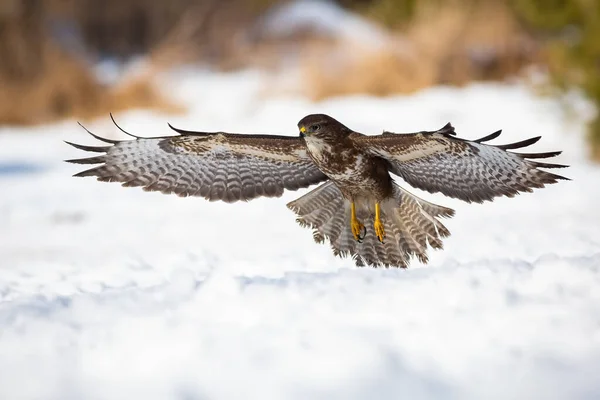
<point>321,126</point>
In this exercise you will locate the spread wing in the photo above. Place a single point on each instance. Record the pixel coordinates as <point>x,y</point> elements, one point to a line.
<point>468,170</point>
<point>216,166</point>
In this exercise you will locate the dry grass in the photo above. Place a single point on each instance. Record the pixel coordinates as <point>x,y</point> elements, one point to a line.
<point>42,83</point>
<point>380,72</point>
<point>482,41</point>
<point>443,44</point>
<point>67,89</point>
<point>452,42</point>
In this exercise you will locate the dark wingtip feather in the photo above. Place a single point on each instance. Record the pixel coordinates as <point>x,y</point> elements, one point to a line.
<point>105,140</point>
<point>90,160</point>
<point>94,149</point>
<point>489,137</point>
<point>539,155</point>
<point>546,177</point>
<point>518,145</point>
<point>448,129</point>
<point>196,133</point>
<point>88,172</point>
<point>181,131</point>
<point>121,129</point>
<point>548,165</point>
<point>172,127</point>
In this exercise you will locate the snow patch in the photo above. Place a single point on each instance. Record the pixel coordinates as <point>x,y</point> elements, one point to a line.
<point>114,293</point>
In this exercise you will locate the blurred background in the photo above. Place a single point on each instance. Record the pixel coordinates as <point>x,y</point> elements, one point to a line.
<point>84,58</point>
<point>123,294</point>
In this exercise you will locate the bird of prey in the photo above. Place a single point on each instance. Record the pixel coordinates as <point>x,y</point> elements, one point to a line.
<point>358,208</point>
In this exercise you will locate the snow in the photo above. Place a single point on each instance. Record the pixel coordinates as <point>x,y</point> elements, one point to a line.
<point>321,17</point>
<point>114,293</point>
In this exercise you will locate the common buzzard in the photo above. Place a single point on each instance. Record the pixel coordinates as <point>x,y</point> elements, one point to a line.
<point>359,208</point>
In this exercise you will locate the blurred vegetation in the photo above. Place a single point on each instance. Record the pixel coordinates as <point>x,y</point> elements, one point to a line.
<point>567,33</point>
<point>48,49</point>
<point>45,66</point>
<point>571,31</point>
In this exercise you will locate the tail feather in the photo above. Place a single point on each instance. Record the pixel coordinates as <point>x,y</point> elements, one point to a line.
<point>411,224</point>
<point>392,247</point>
<point>422,227</point>
<point>399,243</point>
<point>412,238</point>
<point>334,227</point>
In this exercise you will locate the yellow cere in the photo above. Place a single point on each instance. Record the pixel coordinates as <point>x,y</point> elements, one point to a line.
<point>302,129</point>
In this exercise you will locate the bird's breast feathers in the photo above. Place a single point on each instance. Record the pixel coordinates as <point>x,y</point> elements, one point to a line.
<point>319,150</point>
<point>338,163</point>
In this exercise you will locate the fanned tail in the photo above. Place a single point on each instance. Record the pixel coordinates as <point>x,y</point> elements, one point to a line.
<point>411,224</point>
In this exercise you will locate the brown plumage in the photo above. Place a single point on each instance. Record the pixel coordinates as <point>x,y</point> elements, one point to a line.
<point>357,168</point>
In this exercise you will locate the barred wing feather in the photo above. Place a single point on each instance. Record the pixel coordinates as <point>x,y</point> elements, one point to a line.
<point>216,166</point>
<point>468,170</point>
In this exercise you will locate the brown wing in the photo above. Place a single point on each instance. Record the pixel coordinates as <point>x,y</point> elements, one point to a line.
<point>216,166</point>
<point>468,170</point>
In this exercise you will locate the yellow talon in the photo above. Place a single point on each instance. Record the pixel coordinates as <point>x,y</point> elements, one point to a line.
<point>355,224</point>
<point>378,225</point>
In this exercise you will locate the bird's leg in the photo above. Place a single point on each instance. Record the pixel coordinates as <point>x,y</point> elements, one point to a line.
<point>358,229</point>
<point>378,225</point>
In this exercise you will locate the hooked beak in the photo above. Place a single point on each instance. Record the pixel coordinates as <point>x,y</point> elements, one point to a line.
<point>302,131</point>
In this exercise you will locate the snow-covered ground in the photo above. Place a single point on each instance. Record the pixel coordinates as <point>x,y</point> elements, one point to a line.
<point>114,293</point>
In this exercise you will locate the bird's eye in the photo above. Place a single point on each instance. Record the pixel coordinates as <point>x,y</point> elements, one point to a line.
<point>315,127</point>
